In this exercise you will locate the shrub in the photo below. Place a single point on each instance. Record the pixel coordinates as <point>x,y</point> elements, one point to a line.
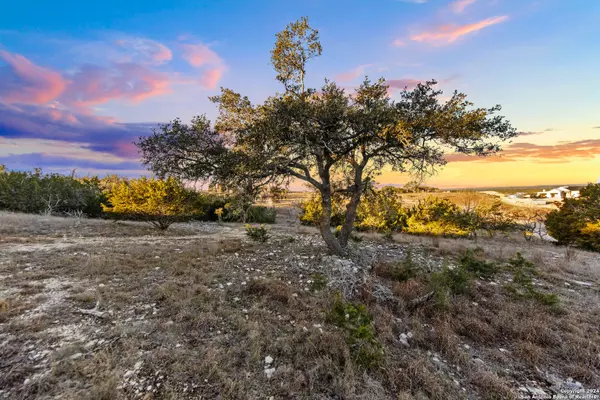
<point>319,282</point>
<point>257,233</point>
<point>522,285</point>
<point>448,282</point>
<point>261,214</point>
<point>34,192</point>
<point>160,202</point>
<point>357,325</point>
<point>577,222</point>
<point>381,210</point>
<point>469,261</point>
<point>311,209</point>
<point>401,271</point>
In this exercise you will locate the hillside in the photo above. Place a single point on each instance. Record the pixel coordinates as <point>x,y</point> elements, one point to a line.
<point>91,309</point>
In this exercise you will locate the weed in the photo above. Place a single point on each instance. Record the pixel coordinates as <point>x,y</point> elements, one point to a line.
<point>448,282</point>
<point>257,233</point>
<point>356,322</point>
<point>388,235</point>
<point>400,272</point>
<point>522,284</point>
<point>319,282</point>
<point>469,262</point>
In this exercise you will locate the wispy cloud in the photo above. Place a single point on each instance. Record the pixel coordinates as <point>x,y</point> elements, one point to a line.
<point>198,55</point>
<point>414,1</point>
<point>22,81</point>
<point>353,74</point>
<point>560,152</point>
<point>450,33</point>
<point>401,84</point>
<point>148,51</point>
<point>459,6</point>
<point>399,43</point>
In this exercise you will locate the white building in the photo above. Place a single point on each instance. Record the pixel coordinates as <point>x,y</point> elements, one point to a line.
<point>559,193</point>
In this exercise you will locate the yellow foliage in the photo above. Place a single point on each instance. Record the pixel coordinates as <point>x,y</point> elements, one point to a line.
<point>159,201</point>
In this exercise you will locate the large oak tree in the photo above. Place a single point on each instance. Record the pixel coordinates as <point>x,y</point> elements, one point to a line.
<point>334,141</point>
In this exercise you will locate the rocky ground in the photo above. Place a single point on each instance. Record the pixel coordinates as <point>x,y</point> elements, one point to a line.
<point>94,309</point>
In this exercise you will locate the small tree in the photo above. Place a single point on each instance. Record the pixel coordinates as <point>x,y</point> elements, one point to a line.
<point>160,202</point>
<point>334,142</point>
<point>577,221</point>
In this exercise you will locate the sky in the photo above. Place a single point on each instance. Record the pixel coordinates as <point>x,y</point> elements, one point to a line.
<point>80,81</point>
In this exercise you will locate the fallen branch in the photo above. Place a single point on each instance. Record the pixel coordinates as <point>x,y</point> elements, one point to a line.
<point>420,300</point>
<point>93,313</point>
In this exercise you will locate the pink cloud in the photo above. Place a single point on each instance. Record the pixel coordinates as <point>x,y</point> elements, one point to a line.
<point>198,55</point>
<point>398,43</point>
<point>353,74</point>
<point>27,83</point>
<point>560,152</point>
<point>211,78</point>
<point>401,84</point>
<point>93,85</point>
<point>450,33</point>
<point>459,5</point>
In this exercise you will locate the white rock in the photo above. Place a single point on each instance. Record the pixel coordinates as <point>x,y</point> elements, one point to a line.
<point>76,356</point>
<point>138,365</point>
<point>404,340</point>
<point>268,360</point>
<point>269,372</point>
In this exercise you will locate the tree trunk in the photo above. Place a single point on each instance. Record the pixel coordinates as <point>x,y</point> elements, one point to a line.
<point>325,225</point>
<point>350,217</point>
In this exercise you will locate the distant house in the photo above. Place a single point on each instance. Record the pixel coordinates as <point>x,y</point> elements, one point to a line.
<point>559,193</point>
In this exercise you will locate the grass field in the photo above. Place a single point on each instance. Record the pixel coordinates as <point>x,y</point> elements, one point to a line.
<point>91,309</point>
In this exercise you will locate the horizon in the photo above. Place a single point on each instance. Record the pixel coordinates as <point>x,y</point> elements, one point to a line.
<point>79,82</point>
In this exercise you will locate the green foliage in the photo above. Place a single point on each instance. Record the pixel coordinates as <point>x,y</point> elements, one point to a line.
<point>161,202</point>
<point>257,233</point>
<point>577,222</point>
<point>400,271</point>
<point>436,216</point>
<point>522,285</point>
<point>469,261</point>
<point>261,214</point>
<point>357,325</point>
<point>319,282</point>
<point>311,210</point>
<point>295,45</point>
<point>381,210</point>
<point>34,192</point>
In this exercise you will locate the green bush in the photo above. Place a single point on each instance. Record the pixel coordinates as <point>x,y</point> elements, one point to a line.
<point>522,285</point>
<point>577,222</point>
<point>357,325</point>
<point>34,192</point>
<point>257,233</point>
<point>311,209</point>
<point>437,216</point>
<point>261,215</point>
<point>381,210</point>
<point>160,202</point>
<point>469,261</point>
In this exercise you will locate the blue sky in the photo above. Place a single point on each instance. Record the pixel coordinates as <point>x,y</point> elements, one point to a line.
<point>80,80</point>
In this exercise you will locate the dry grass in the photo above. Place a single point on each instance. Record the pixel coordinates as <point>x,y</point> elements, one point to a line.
<point>194,313</point>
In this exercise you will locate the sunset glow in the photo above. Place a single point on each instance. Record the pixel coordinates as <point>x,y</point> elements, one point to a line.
<point>80,82</point>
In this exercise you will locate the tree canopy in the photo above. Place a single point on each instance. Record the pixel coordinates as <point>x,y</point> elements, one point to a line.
<point>336,142</point>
